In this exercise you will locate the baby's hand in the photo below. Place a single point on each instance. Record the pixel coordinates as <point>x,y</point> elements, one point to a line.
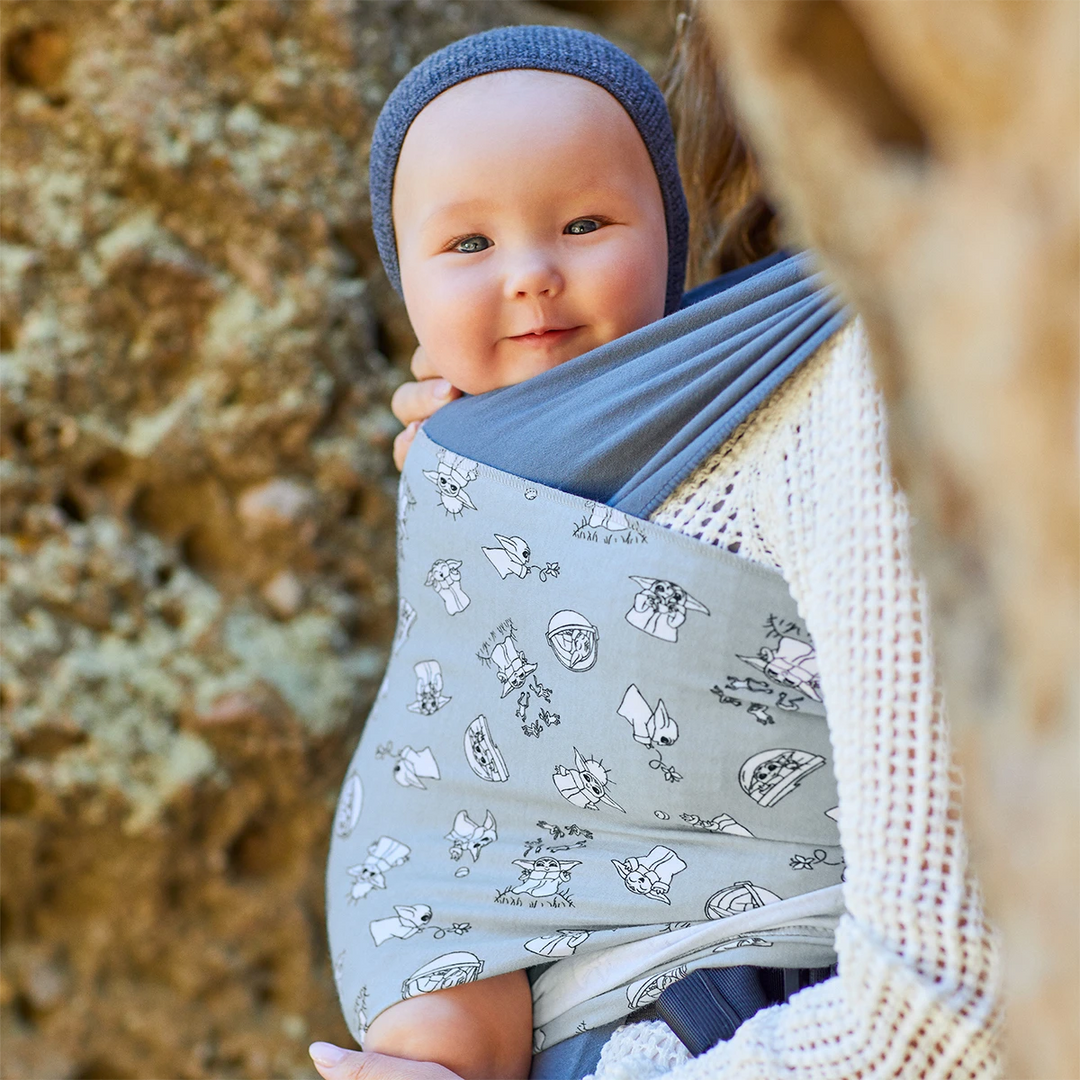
<point>414,402</point>
<point>334,1063</point>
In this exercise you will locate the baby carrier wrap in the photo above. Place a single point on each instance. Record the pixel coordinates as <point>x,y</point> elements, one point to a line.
<point>598,742</point>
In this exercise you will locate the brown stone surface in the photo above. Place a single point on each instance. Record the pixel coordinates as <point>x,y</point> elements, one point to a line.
<point>929,152</point>
<point>198,349</point>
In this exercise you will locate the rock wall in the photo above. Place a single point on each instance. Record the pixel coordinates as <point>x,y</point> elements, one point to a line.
<point>198,349</point>
<point>929,153</point>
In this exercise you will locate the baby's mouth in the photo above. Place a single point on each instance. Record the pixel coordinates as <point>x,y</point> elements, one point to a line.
<point>545,335</point>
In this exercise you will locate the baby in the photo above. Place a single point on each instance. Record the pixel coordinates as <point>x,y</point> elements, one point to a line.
<point>529,222</point>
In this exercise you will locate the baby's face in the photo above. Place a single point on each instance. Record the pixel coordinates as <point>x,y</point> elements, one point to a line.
<point>529,224</point>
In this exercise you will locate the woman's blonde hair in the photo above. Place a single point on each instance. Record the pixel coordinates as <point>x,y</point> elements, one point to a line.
<point>731,222</point>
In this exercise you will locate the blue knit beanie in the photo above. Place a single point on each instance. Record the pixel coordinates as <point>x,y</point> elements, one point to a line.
<point>539,48</point>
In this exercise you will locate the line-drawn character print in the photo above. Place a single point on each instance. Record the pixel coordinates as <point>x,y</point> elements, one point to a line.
<point>484,757</point>
<point>360,1013</point>
<point>383,855</point>
<point>445,578</point>
<point>547,718</point>
<point>560,943</point>
<point>607,517</point>
<point>651,874</point>
<point>466,835</point>
<point>405,503</point>
<point>737,898</point>
<point>450,969</point>
<point>429,689</point>
<point>606,525</point>
<point>820,857</point>
<point>646,991</point>
<point>653,728</point>
<point>558,832</point>
<point>530,494</point>
<point>760,714</point>
<point>790,661</point>
<point>722,823</point>
<point>724,698</point>
<point>452,476</point>
<point>833,813</point>
<point>349,805</point>
<point>573,639</point>
<point>512,668</point>
<point>513,556</point>
<point>586,784</point>
<point>411,919</point>
<point>788,704</point>
<point>412,767</point>
<point>756,686</point>
<point>405,619</point>
<point>543,876</point>
<point>771,775</point>
<point>742,941</point>
<point>660,607</point>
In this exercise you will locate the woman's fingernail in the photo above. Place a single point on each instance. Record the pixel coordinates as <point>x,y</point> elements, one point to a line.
<point>442,389</point>
<point>326,1054</point>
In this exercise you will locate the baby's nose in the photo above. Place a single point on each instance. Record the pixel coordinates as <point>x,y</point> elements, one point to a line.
<point>533,273</point>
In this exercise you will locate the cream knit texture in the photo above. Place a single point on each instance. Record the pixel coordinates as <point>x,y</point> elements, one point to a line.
<point>804,486</point>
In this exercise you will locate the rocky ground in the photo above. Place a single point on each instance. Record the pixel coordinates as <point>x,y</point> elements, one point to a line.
<point>197,538</point>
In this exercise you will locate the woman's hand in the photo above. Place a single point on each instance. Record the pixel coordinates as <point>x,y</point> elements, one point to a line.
<point>334,1063</point>
<point>414,402</point>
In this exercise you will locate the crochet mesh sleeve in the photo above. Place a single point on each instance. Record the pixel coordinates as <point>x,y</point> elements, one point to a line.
<point>804,486</point>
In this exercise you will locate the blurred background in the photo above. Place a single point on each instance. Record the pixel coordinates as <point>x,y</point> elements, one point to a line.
<point>199,348</point>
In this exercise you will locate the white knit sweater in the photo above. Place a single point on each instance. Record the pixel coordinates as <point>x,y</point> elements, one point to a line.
<point>805,486</point>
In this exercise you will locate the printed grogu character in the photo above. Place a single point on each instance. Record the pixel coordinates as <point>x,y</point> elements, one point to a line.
<point>543,876</point>
<point>646,991</point>
<point>512,667</point>
<point>406,618</point>
<point>660,608</point>
<point>349,805</point>
<point>737,898</point>
<point>414,764</point>
<point>772,775</point>
<point>429,686</point>
<point>445,578</point>
<point>651,875</point>
<point>450,969</point>
<point>722,823</point>
<point>792,663</point>
<point>409,920</point>
<point>652,727</point>
<point>561,943</point>
<point>383,855</point>
<point>607,517</point>
<point>452,476</point>
<point>586,784</point>
<point>466,835</point>
<point>511,557</point>
<point>483,755</point>
<point>573,639</point>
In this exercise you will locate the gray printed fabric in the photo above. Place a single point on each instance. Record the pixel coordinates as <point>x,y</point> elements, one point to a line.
<point>592,731</point>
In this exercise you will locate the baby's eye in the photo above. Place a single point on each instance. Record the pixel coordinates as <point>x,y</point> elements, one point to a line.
<point>581,226</point>
<point>472,244</point>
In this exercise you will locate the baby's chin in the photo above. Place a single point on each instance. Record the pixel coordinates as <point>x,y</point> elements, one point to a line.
<point>509,372</point>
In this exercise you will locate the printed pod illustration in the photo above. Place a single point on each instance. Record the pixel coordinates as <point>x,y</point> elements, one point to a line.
<point>450,969</point>
<point>772,775</point>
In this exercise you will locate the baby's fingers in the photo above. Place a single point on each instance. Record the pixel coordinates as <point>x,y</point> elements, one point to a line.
<point>416,401</point>
<point>334,1063</point>
<point>402,441</point>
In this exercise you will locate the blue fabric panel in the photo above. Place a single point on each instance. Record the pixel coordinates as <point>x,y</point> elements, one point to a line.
<point>629,421</point>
